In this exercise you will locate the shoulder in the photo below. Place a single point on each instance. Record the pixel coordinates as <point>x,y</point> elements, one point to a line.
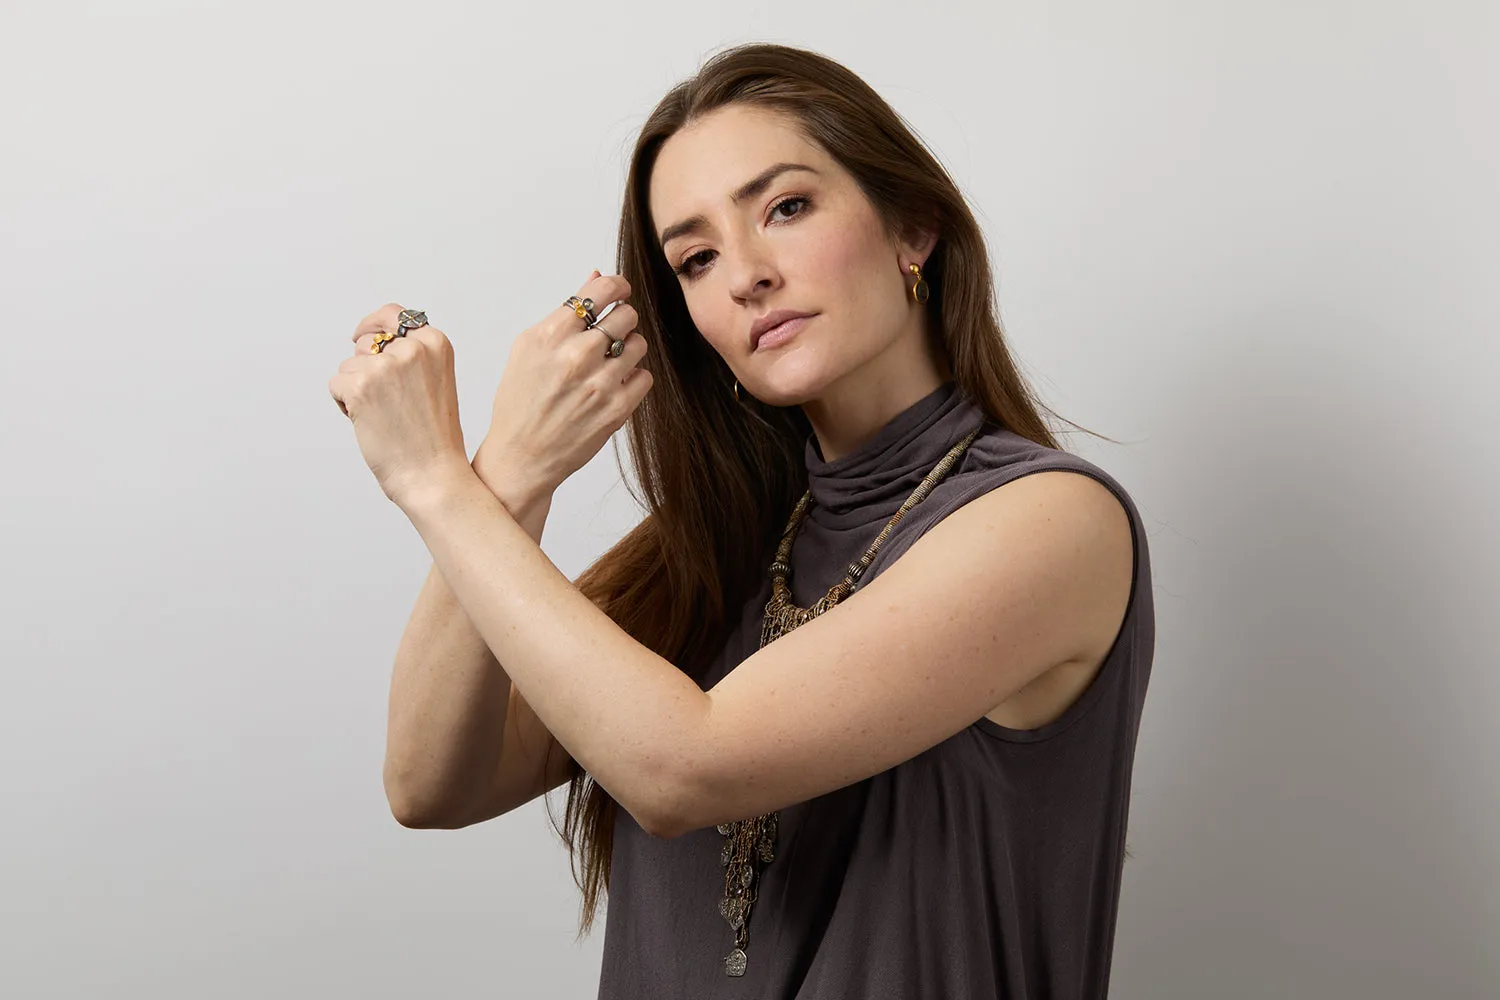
<point>1012,477</point>
<point>1074,514</point>
<point>1081,517</point>
<point>1056,541</point>
<point>998,457</point>
<point>1043,564</point>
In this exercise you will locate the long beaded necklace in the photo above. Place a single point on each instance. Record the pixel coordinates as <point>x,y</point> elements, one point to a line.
<point>751,840</point>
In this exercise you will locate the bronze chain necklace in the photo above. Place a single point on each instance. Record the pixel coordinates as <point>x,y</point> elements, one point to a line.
<point>748,841</point>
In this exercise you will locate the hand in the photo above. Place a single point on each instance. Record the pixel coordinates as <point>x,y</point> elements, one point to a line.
<point>404,404</point>
<point>560,397</point>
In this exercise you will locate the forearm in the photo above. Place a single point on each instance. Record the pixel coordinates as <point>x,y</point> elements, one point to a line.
<point>448,697</point>
<point>625,714</point>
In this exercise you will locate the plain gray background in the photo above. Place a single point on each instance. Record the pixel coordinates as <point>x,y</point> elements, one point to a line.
<point>1256,242</point>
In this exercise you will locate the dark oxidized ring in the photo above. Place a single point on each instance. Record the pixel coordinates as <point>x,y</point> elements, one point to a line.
<point>410,319</point>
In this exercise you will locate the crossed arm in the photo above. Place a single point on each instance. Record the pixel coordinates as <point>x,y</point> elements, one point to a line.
<point>1010,584</point>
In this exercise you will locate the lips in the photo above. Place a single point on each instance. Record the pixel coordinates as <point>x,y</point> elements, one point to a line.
<point>770,321</point>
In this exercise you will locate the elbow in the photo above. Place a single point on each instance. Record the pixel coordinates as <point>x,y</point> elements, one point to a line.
<point>677,798</point>
<point>417,815</point>
<point>667,814</point>
<point>410,811</point>
<point>660,826</point>
<point>412,815</point>
<point>417,811</point>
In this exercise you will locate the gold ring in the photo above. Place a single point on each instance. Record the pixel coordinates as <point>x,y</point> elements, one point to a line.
<point>582,308</point>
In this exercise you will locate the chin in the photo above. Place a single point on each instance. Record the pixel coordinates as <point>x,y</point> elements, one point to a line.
<point>791,384</point>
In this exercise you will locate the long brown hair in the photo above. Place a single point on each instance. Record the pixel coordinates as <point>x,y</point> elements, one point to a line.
<point>719,476</point>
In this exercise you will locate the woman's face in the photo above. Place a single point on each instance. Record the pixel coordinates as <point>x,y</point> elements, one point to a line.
<point>806,240</point>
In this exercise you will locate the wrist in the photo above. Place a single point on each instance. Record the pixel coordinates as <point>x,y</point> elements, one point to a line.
<point>509,481</point>
<point>435,487</point>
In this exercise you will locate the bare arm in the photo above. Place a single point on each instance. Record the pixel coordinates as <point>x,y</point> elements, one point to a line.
<point>462,745</point>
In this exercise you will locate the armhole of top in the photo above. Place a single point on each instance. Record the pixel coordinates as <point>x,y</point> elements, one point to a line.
<point>1118,652</point>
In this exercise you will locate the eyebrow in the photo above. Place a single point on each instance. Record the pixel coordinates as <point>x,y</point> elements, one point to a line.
<point>749,189</point>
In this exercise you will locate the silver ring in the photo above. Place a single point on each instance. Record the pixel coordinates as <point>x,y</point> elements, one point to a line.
<point>616,345</point>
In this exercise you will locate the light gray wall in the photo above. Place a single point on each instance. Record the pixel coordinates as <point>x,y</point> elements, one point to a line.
<point>1257,242</point>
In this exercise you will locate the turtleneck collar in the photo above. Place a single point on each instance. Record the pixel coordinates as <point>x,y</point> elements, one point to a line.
<point>872,481</point>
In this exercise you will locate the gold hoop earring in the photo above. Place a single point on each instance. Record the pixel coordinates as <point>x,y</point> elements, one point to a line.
<point>919,291</point>
<point>737,391</point>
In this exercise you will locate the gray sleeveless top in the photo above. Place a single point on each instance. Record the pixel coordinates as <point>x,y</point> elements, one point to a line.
<point>987,866</point>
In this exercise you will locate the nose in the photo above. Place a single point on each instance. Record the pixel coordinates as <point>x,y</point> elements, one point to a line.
<point>752,270</point>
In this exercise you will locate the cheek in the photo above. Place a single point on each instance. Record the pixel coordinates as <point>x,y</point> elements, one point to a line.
<point>846,262</point>
<point>835,255</point>
<point>713,321</point>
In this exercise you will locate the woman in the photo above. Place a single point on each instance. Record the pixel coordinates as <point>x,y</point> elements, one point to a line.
<point>842,773</point>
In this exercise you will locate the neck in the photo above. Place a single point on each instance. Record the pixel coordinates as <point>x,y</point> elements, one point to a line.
<point>851,409</point>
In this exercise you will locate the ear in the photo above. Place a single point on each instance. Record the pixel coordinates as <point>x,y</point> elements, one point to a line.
<point>918,246</point>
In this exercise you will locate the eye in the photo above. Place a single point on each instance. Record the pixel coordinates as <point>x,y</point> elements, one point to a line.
<point>787,201</point>
<point>686,269</point>
<point>689,270</point>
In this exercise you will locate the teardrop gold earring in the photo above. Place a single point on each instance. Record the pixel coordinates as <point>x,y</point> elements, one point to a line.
<point>919,291</point>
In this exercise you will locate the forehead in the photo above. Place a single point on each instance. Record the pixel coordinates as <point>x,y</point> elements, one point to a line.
<point>699,166</point>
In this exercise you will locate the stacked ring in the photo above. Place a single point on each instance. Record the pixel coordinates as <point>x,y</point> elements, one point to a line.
<point>584,309</point>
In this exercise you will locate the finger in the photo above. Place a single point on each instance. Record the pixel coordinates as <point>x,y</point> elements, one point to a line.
<point>610,371</point>
<point>588,356</point>
<point>604,289</point>
<point>398,348</point>
<point>633,353</point>
<point>357,363</point>
<point>367,340</point>
<point>634,389</point>
<point>618,321</point>
<point>609,329</point>
<point>384,318</point>
<point>362,346</point>
<point>336,390</point>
